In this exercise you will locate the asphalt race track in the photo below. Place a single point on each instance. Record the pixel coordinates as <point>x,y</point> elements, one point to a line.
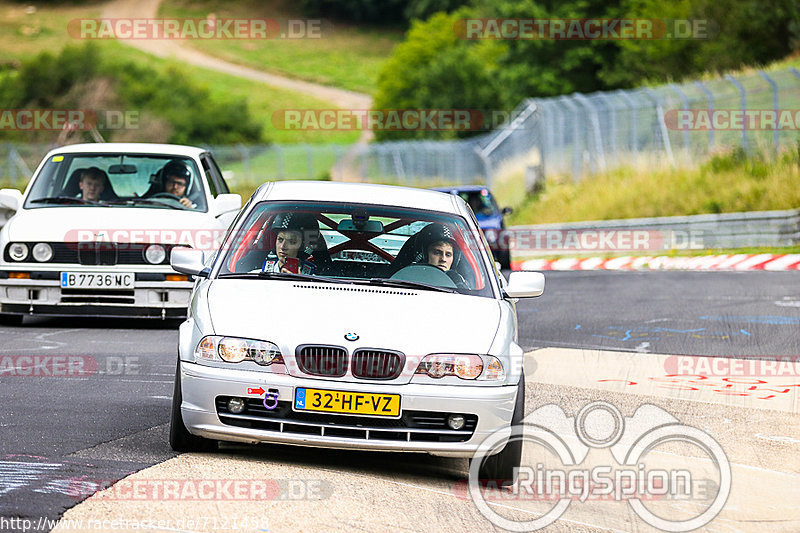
<point>65,436</point>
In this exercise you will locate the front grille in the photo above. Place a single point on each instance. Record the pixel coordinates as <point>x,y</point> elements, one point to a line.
<point>412,426</point>
<point>377,364</point>
<point>325,361</point>
<point>86,296</point>
<point>102,253</point>
<point>97,253</point>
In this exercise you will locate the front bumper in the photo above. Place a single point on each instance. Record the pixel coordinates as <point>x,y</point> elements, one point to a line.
<point>42,295</point>
<point>491,408</point>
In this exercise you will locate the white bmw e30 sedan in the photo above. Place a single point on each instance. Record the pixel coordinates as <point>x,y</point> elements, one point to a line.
<point>354,316</point>
<point>91,234</point>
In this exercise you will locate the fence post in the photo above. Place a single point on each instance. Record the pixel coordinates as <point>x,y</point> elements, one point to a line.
<point>662,124</point>
<point>309,161</point>
<point>775,137</point>
<point>245,159</point>
<point>685,104</point>
<point>634,121</point>
<point>487,164</point>
<point>612,118</point>
<point>743,104</point>
<point>595,121</point>
<point>577,151</point>
<point>710,97</point>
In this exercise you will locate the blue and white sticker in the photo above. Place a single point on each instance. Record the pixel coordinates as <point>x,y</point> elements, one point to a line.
<point>300,399</point>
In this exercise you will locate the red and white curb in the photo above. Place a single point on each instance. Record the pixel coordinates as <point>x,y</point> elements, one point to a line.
<point>704,262</point>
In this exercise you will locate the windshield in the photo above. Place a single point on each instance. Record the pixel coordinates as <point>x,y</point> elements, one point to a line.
<point>481,202</point>
<point>119,180</point>
<point>359,244</point>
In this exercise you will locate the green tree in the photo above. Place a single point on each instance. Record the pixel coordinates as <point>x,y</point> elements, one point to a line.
<point>435,69</point>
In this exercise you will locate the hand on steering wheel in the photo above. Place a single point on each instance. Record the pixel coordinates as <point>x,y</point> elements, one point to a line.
<point>183,201</point>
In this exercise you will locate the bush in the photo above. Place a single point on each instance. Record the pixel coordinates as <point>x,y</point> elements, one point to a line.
<point>180,110</point>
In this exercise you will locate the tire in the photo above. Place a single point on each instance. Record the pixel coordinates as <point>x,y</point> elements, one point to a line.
<point>180,439</point>
<point>500,467</point>
<point>11,320</point>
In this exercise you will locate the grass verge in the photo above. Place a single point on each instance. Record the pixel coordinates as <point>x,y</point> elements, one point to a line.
<point>345,56</point>
<point>728,182</point>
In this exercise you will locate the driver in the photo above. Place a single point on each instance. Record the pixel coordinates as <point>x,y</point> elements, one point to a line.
<point>440,248</point>
<point>175,178</point>
<point>289,245</point>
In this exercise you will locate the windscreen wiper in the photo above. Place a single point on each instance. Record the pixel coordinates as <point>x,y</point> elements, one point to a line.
<point>283,275</point>
<point>409,284</point>
<point>148,201</point>
<point>64,200</point>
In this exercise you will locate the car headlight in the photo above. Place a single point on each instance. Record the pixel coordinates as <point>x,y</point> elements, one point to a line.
<point>42,252</point>
<point>464,366</point>
<point>18,251</point>
<point>155,254</point>
<point>236,350</point>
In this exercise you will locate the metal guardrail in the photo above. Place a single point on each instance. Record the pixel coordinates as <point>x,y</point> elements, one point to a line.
<point>724,230</point>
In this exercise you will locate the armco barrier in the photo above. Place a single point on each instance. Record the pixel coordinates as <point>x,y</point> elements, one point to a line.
<point>724,230</point>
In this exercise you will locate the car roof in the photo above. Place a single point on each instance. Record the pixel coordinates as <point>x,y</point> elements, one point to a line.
<point>133,148</point>
<point>462,188</point>
<point>360,193</point>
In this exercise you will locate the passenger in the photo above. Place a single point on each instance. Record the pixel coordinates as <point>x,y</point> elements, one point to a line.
<point>92,184</point>
<point>289,245</point>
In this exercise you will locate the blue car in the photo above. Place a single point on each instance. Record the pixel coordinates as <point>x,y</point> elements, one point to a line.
<point>489,216</point>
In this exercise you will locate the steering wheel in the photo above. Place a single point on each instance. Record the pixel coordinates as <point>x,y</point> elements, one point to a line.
<point>425,273</point>
<point>167,195</point>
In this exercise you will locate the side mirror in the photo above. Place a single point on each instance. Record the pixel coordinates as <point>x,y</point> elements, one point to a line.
<point>189,261</point>
<point>225,203</point>
<point>10,199</point>
<point>507,211</point>
<point>525,285</point>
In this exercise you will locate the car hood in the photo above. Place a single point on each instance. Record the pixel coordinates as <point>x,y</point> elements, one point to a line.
<point>119,224</point>
<point>410,321</point>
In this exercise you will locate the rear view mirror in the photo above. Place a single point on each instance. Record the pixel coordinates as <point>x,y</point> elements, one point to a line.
<point>363,226</point>
<point>122,169</point>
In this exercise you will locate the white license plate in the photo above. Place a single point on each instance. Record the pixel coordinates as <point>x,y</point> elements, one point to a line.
<point>97,280</point>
